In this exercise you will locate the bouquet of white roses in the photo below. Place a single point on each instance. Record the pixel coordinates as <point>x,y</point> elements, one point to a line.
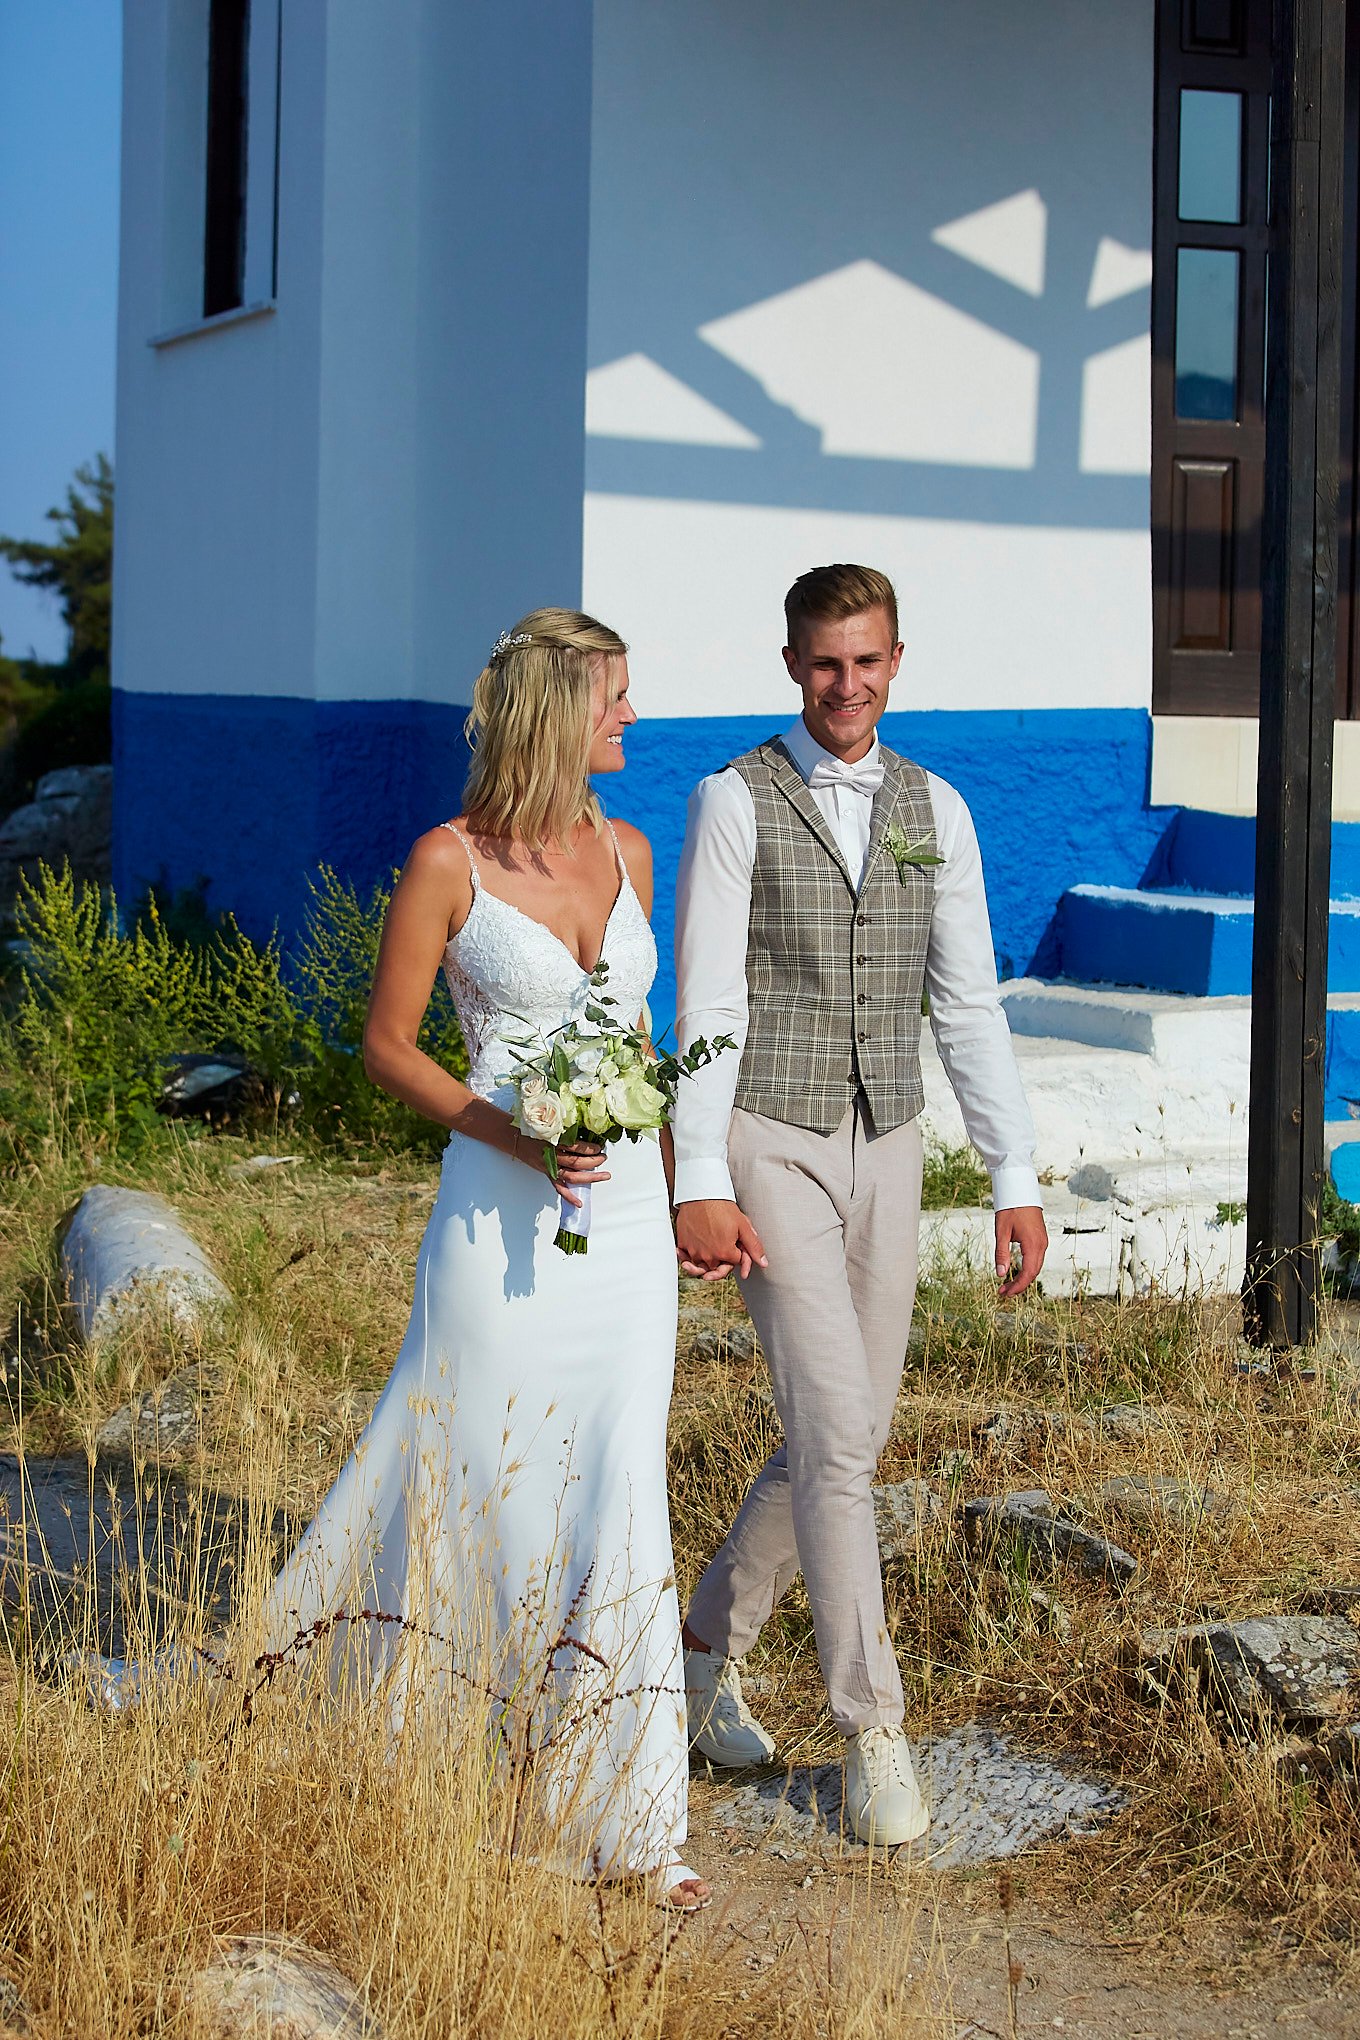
<point>598,1081</point>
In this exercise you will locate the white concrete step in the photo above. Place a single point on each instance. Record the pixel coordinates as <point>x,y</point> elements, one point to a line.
<point>1172,1027</point>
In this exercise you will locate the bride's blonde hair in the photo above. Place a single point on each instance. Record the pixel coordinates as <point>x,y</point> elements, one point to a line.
<point>530,728</point>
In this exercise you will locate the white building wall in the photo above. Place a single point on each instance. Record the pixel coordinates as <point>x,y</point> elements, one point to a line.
<point>872,282</point>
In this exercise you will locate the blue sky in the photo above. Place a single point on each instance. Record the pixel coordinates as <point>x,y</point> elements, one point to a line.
<point>60,71</point>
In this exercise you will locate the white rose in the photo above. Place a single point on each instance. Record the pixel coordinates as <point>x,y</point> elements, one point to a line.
<point>541,1116</point>
<point>533,1087</point>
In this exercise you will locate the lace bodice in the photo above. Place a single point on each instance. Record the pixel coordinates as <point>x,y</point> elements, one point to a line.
<point>509,975</point>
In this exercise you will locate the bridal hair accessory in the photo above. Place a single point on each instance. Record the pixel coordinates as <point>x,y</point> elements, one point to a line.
<point>595,1080</point>
<point>505,643</point>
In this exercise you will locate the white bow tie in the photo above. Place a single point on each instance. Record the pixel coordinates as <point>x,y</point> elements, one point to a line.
<point>865,778</point>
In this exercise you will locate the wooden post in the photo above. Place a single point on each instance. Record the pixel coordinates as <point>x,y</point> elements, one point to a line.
<point>1298,674</point>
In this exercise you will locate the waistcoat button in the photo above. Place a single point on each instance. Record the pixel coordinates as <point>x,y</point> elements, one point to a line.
<point>861,959</point>
<point>861,998</point>
<point>861,1037</point>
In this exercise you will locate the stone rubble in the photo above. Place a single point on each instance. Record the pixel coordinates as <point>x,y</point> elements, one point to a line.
<point>902,1512</point>
<point>260,1985</point>
<point>1296,1669</point>
<point>1156,1501</point>
<point>68,821</point>
<point>1028,1518</point>
<point>261,1165</point>
<point>158,1421</point>
<point>725,1342</point>
<point>989,1800</point>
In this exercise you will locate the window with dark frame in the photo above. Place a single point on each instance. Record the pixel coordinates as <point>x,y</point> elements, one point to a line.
<point>1210,195</point>
<point>224,235</point>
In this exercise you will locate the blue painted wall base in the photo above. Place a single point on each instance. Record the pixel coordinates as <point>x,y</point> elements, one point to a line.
<point>253,792</point>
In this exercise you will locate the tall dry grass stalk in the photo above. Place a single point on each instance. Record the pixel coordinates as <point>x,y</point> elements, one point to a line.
<point>394,1862</point>
<point>244,1793</point>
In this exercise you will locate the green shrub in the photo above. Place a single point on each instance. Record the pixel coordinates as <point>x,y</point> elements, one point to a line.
<point>74,728</point>
<point>952,1176</point>
<point>330,975</point>
<point>100,1010</point>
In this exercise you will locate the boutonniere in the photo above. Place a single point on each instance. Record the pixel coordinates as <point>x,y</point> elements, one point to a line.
<point>903,852</point>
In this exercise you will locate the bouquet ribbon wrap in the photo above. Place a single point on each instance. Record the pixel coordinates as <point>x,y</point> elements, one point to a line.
<point>573,1224</point>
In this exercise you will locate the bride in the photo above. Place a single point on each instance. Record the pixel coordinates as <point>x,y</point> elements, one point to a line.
<point>511,1485</point>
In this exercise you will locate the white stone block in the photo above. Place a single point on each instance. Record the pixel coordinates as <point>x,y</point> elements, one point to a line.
<point>125,1250</point>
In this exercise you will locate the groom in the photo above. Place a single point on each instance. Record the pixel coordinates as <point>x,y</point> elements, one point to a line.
<point>825,884</point>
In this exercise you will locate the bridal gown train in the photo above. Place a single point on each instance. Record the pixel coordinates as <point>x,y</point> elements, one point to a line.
<point>509,1491</point>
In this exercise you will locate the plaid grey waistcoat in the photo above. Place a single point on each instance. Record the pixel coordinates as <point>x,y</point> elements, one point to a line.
<point>834,975</point>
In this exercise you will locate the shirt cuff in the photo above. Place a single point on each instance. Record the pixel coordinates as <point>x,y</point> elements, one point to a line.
<point>705,1176</point>
<point>1012,1184</point>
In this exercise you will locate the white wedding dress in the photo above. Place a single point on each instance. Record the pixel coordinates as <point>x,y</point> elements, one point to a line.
<point>508,1495</point>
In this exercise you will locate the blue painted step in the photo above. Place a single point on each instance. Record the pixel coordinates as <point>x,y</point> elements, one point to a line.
<point>1208,853</point>
<point>1179,941</point>
<point>1343,1060</point>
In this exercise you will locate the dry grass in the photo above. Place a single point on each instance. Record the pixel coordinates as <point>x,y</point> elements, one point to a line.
<point>307,1826</point>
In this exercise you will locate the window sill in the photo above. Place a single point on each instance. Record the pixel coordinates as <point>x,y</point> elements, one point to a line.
<point>235,317</point>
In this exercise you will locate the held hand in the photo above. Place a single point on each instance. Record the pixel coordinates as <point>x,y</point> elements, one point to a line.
<point>577,1164</point>
<point>713,1236</point>
<point>1023,1227</point>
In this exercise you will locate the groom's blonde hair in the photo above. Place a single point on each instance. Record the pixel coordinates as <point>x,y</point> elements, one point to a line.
<point>530,728</point>
<point>829,594</point>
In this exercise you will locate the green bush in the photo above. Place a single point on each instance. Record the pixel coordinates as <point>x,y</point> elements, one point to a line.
<point>330,975</point>
<point>952,1176</point>
<point>75,728</point>
<point>100,1010</point>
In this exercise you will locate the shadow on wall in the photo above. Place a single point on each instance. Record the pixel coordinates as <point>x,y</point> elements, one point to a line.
<point>889,260</point>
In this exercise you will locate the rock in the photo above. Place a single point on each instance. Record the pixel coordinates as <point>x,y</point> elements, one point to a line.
<point>1334,1600</point>
<point>1296,1667</point>
<point>262,1986</point>
<point>261,1165</point>
<point>988,1798</point>
<point>157,1422</point>
<point>1154,1501</point>
<point>1050,1611</point>
<point>14,2012</point>
<point>901,1513</point>
<point>1028,1518</point>
<point>1092,1183</point>
<point>1020,1430</point>
<point>1126,1420</point>
<point>1340,1747</point>
<point>125,1250</point>
<point>725,1342</point>
<point>69,820</point>
<point>218,1088</point>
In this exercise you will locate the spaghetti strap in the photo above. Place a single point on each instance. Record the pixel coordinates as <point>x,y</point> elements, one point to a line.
<point>623,868</point>
<point>454,830</point>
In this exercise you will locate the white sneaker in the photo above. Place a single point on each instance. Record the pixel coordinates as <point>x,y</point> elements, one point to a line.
<point>721,1725</point>
<point>882,1798</point>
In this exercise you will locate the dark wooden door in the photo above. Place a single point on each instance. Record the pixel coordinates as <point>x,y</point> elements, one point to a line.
<point>1211,194</point>
<point>1208,353</point>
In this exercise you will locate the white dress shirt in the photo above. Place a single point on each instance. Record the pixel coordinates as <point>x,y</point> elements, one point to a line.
<point>713,910</point>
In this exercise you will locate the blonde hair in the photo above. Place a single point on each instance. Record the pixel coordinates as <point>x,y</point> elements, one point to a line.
<point>531,725</point>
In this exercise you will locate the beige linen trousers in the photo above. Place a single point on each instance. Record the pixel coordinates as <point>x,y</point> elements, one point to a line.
<point>839,1215</point>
